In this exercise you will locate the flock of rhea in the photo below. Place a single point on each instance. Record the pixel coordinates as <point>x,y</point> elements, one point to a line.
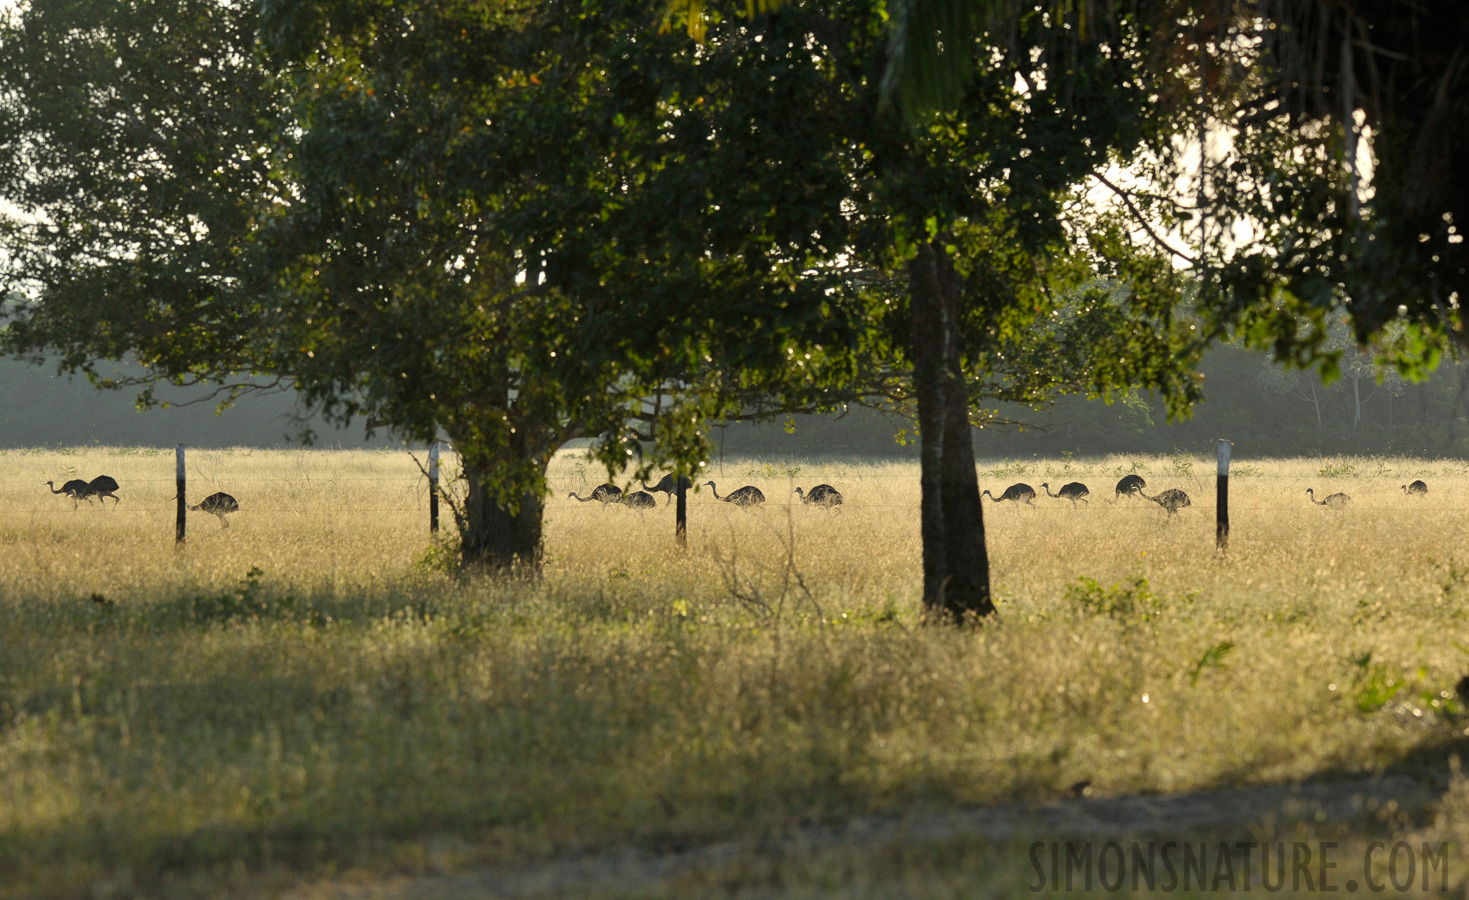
<point>1172,499</point>
<point>1339,500</point>
<point>104,486</point>
<point>823,495</point>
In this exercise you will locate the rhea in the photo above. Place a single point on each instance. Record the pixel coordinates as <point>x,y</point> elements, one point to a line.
<point>1172,500</point>
<point>1130,484</point>
<point>602,493</point>
<point>1017,493</point>
<point>1074,491</point>
<point>101,487</point>
<point>640,500</point>
<point>1417,488</point>
<point>823,495</point>
<point>218,504</point>
<point>670,486</point>
<point>1335,501</point>
<point>75,489</point>
<point>747,496</point>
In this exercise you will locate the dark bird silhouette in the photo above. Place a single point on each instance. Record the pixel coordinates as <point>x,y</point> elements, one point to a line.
<point>1417,488</point>
<point>1172,500</point>
<point>1335,501</point>
<point>669,486</point>
<point>822,495</point>
<point>102,487</point>
<point>602,493</point>
<point>1018,492</point>
<point>219,504</point>
<point>640,500</point>
<point>1130,484</point>
<point>1074,491</point>
<point>75,489</point>
<point>747,496</point>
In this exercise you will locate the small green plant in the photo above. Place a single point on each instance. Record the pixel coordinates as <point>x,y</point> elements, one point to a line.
<point>1181,464</point>
<point>1455,574</point>
<point>1126,601</point>
<point>59,450</point>
<point>1245,470</point>
<point>1374,684</point>
<point>441,556</point>
<point>1213,658</point>
<point>1133,468</point>
<point>246,600</point>
<point>1011,467</point>
<point>1066,470</point>
<point>1441,702</point>
<point>1337,468</point>
<point>773,470</point>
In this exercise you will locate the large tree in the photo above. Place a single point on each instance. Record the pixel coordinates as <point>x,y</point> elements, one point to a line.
<point>215,194</point>
<point>981,271</point>
<point>347,195</point>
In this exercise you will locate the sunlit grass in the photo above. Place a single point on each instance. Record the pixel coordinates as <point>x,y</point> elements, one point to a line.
<point>308,690</point>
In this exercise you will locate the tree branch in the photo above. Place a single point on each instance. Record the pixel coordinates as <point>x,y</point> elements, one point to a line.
<point>1142,222</point>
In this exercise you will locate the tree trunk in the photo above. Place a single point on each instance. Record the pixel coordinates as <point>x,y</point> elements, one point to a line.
<point>496,536</point>
<point>956,582</point>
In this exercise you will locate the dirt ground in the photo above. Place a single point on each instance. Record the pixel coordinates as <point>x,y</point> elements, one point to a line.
<point>1393,802</point>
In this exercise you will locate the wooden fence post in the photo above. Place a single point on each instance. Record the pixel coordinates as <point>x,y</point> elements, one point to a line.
<point>181,517</point>
<point>1221,508</point>
<point>433,488</point>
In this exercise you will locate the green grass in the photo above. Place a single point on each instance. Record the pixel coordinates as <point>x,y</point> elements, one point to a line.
<point>303,696</point>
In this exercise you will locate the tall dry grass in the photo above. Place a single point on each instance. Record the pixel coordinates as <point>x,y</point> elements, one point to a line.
<point>310,690</point>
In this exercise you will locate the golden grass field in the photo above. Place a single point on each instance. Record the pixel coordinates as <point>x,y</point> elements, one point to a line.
<point>309,704</point>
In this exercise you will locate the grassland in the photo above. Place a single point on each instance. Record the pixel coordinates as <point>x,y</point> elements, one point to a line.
<point>311,698</point>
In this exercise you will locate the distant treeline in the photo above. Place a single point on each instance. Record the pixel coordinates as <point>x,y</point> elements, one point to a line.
<point>1266,411</point>
<point>1263,409</point>
<point>40,409</point>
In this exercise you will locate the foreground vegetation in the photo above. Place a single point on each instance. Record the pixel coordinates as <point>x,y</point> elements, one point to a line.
<point>311,694</point>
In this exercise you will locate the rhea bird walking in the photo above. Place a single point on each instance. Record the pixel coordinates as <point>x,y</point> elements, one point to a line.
<point>218,504</point>
<point>1335,501</point>
<point>823,495</point>
<point>1172,500</point>
<point>1417,488</point>
<point>1074,491</point>
<point>669,486</point>
<point>1018,493</point>
<point>75,489</point>
<point>639,500</point>
<point>1130,484</point>
<point>602,493</point>
<point>101,487</point>
<point>747,496</point>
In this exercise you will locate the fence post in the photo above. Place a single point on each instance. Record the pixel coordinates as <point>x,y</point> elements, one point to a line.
<point>180,517</point>
<point>433,488</point>
<point>1221,507</point>
<point>681,516</point>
